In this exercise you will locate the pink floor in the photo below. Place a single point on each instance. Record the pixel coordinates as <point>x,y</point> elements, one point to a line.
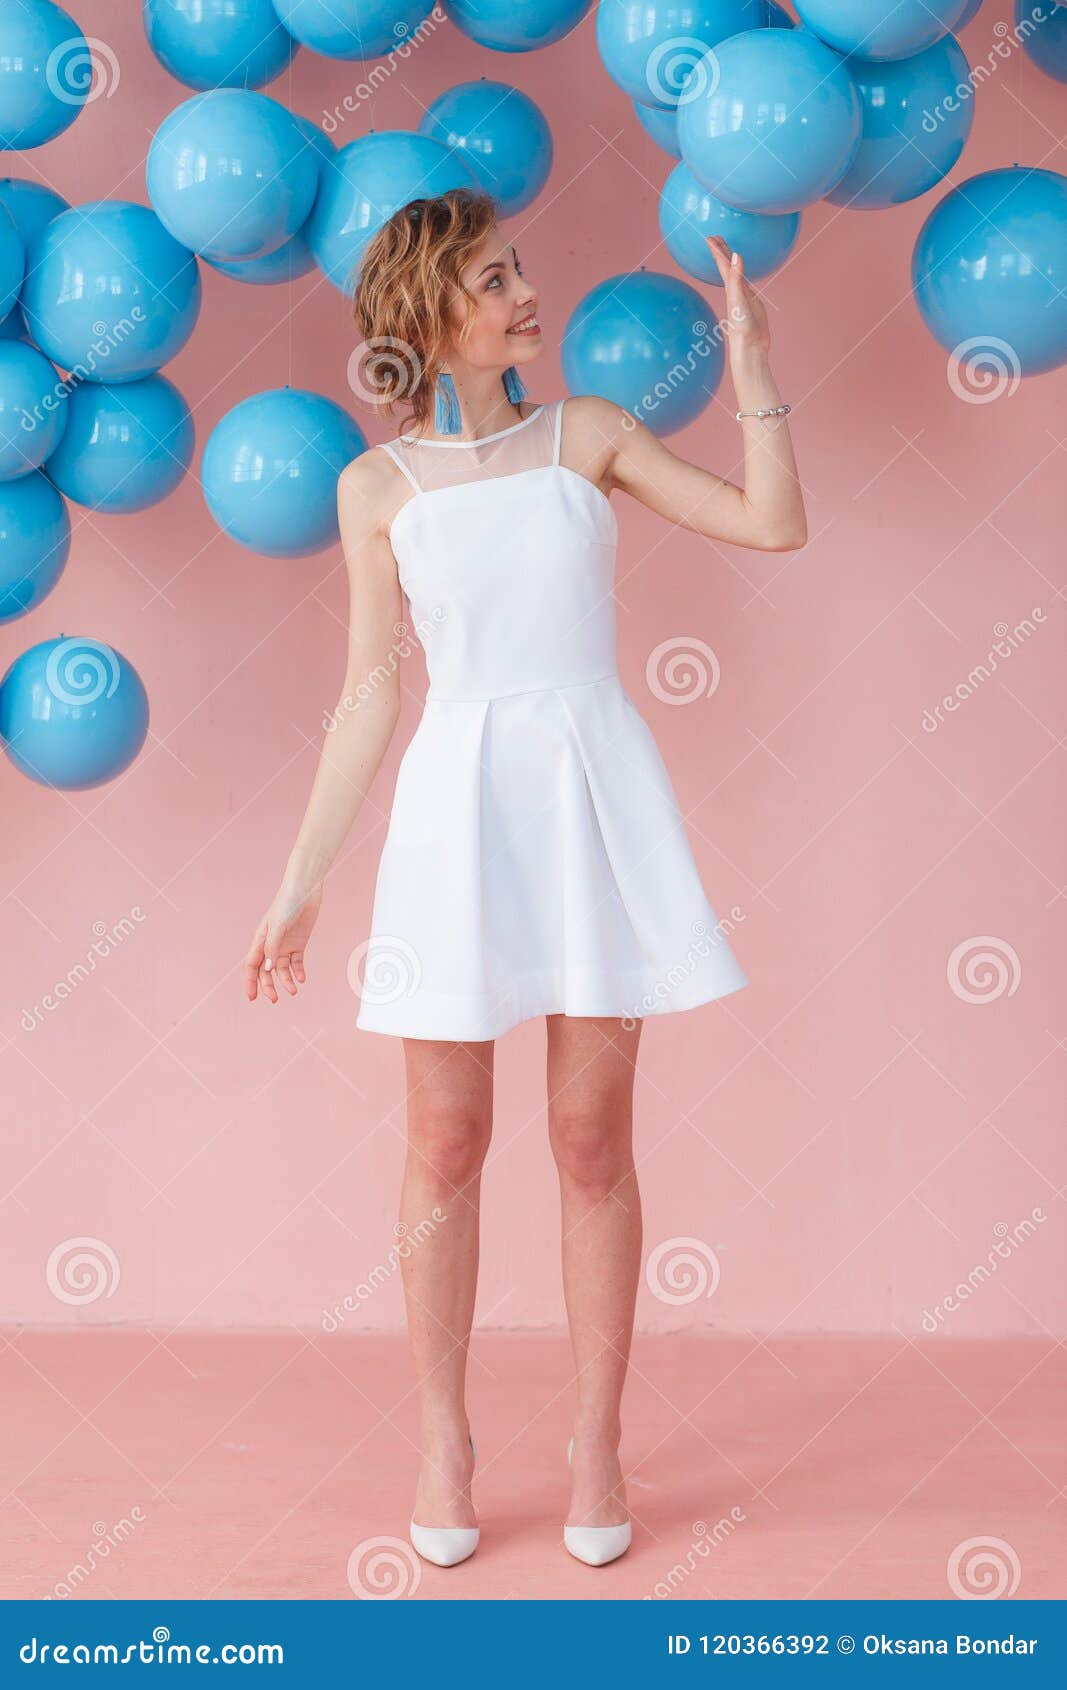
<point>273,1464</point>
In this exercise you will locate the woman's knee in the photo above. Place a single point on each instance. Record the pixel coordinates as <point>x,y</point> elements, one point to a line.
<point>451,1139</point>
<point>592,1147</point>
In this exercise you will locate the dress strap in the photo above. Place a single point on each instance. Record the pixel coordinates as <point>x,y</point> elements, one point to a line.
<point>559,426</point>
<point>388,446</point>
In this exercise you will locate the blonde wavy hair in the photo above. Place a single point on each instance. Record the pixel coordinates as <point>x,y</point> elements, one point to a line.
<point>409,272</point>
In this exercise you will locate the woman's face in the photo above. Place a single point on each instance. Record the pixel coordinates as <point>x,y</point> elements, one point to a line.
<point>503,327</point>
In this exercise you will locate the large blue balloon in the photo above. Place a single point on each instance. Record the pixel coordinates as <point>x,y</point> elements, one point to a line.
<point>511,27</point>
<point>35,534</point>
<point>45,72</point>
<point>353,29</point>
<point>125,448</point>
<point>1046,38</point>
<point>270,470</point>
<point>219,43</point>
<point>777,124</point>
<point>370,179</point>
<point>651,47</point>
<point>30,206</point>
<point>231,173</point>
<point>689,213</point>
<point>294,257</point>
<point>917,115</point>
<point>501,134</point>
<point>73,712</point>
<point>990,269</point>
<point>12,262</point>
<point>890,30</point>
<point>33,409</point>
<point>644,341</point>
<point>661,124</point>
<point>109,293</point>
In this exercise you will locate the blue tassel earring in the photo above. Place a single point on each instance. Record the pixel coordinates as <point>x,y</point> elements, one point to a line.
<point>513,385</point>
<point>447,418</point>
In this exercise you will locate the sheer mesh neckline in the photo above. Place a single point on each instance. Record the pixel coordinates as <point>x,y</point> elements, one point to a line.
<point>412,440</point>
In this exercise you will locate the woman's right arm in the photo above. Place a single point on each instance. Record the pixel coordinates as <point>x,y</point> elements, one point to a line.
<point>362,725</point>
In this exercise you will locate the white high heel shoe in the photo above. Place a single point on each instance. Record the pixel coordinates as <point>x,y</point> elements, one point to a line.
<point>596,1545</point>
<point>445,1546</point>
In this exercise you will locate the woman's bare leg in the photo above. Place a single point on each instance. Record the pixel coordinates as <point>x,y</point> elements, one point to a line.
<point>591,1065</point>
<point>450,1116</point>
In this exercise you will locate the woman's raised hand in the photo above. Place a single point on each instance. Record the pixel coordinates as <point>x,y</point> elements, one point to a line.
<point>745,321</point>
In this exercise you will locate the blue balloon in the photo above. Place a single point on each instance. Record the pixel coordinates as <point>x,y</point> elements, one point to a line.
<point>45,72</point>
<point>270,470</point>
<point>778,17</point>
<point>917,115</point>
<point>990,269</point>
<point>1046,38</point>
<point>35,526</point>
<point>688,214</point>
<point>137,296</point>
<point>33,409</point>
<point>776,121</point>
<point>13,326</point>
<point>661,123</point>
<point>231,174</point>
<point>370,179</point>
<point>125,448</point>
<point>12,262</point>
<point>219,43</point>
<point>500,133</point>
<point>892,30</point>
<point>514,28</point>
<point>294,257</point>
<point>647,50</point>
<point>31,205</point>
<point>353,29</point>
<point>644,341</point>
<point>73,712</point>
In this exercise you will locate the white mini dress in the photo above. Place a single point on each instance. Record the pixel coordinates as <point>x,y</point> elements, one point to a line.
<point>536,861</point>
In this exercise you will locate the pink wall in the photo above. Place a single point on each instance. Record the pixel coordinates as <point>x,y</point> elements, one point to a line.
<point>849,1136</point>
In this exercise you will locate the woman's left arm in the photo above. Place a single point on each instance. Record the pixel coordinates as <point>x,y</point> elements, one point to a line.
<point>767,512</point>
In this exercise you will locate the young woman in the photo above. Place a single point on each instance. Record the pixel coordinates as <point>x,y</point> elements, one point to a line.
<point>536,862</point>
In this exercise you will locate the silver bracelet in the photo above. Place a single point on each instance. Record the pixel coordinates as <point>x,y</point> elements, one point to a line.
<point>775,411</point>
